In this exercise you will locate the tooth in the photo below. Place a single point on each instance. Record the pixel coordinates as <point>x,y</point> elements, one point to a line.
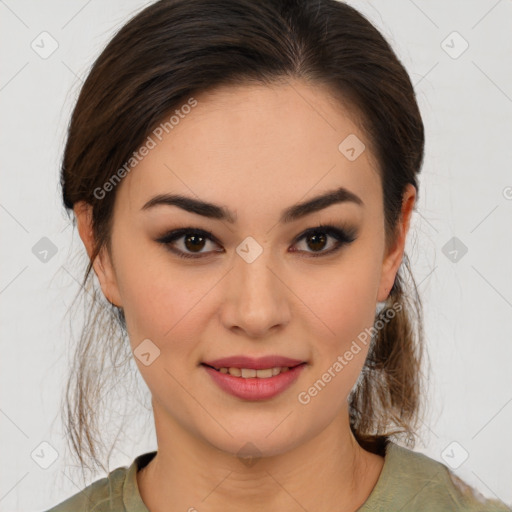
<point>263,374</point>
<point>248,373</point>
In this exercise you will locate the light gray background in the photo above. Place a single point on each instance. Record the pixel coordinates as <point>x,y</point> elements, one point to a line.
<point>465,192</point>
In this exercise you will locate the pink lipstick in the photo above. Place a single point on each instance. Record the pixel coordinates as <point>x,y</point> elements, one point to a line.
<point>254,378</point>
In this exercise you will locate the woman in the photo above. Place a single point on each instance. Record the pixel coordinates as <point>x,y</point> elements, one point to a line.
<point>243,176</point>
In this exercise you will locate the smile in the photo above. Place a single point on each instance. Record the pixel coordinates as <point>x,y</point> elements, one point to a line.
<point>247,373</point>
<point>254,384</point>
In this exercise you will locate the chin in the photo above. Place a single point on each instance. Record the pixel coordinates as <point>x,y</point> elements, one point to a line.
<point>256,435</point>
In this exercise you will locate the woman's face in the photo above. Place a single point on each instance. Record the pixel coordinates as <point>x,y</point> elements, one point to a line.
<point>256,287</point>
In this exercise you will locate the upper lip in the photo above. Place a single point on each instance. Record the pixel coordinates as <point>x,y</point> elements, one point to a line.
<point>259,363</point>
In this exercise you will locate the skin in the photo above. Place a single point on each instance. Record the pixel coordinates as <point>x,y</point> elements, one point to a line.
<point>256,150</point>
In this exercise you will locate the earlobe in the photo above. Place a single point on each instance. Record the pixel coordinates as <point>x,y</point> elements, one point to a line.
<point>394,257</point>
<point>83,214</point>
<point>102,264</point>
<point>105,272</point>
<point>390,268</point>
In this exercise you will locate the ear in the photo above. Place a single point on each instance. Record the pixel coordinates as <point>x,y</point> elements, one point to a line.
<point>393,258</point>
<point>102,264</point>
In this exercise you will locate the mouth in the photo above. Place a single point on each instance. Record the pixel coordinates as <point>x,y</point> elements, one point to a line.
<point>254,379</point>
<point>250,373</point>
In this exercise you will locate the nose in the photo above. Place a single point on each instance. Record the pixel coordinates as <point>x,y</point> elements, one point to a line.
<point>257,297</point>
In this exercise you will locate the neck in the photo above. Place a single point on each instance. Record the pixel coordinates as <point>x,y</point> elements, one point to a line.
<point>329,472</point>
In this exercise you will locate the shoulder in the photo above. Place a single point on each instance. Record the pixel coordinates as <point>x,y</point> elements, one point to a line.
<point>117,492</point>
<point>417,483</point>
<point>102,495</point>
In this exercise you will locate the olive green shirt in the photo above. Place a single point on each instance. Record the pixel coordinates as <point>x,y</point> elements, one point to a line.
<point>409,482</point>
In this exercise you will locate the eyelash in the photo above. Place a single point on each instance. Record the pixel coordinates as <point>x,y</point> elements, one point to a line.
<point>343,236</point>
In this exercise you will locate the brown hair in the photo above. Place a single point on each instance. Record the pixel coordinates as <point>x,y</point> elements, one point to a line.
<point>175,48</point>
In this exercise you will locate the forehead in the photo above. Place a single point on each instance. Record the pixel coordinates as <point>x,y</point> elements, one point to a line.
<point>254,146</point>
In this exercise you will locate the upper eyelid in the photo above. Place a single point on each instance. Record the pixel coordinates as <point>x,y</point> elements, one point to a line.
<point>350,232</point>
<point>325,226</point>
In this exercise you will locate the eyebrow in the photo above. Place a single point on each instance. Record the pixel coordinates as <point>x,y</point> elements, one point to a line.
<point>290,214</point>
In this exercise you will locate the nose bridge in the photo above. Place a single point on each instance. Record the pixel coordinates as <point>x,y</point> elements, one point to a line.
<point>258,299</point>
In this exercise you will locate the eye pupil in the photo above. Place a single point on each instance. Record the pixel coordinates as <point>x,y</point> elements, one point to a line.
<point>194,245</point>
<point>192,241</point>
<point>316,237</point>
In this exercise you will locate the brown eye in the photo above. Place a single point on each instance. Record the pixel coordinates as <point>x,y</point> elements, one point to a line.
<point>194,241</point>
<point>317,239</point>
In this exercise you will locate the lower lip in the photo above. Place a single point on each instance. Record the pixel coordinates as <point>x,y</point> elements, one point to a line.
<point>254,388</point>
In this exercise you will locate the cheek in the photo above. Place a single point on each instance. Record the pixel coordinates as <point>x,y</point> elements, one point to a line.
<point>343,301</point>
<point>153,308</point>
<point>162,304</point>
<point>162,301</point>
<point>346,308</point>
